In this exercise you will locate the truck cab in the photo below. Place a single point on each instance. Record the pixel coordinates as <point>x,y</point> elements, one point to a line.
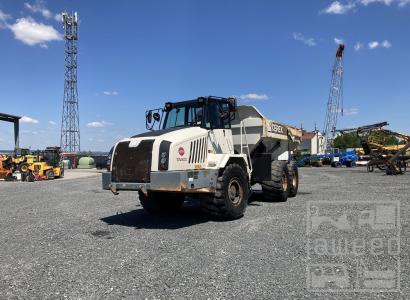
<point>197,147</point>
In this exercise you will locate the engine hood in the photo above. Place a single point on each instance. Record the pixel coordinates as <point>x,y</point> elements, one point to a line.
<point>177,134</point>
<point>159,132</point>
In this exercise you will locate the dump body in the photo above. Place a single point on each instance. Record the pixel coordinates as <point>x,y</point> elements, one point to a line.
<point>265,141</point>
<point>260,129</point>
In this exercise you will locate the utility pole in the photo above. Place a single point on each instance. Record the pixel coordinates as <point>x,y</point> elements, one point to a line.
<point>335,102</point>
<point>70,131</point>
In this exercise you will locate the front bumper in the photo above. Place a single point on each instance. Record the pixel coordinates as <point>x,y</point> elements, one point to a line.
<point>188,181</point>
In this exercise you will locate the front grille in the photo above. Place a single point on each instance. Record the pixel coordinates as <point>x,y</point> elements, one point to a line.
<point>132,164</point>
<point>198,150</point>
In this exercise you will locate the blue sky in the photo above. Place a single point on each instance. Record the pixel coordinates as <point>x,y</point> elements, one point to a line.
<point>135,55</point>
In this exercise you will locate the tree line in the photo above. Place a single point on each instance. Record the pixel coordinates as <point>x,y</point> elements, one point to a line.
<point>351,140</point>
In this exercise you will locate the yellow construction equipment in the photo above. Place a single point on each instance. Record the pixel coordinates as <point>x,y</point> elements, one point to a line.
<point>6,167</point>
<point>22,159</point>
<point>392,159</point>
<point>33,166</point>
<point>47,165</point>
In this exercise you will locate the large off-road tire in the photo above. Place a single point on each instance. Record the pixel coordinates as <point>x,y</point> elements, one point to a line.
<point>23,167</point>
<point>336,164</point>
<point>294,178</point>
<point>50,174</point>
<point>277,189</point>
<point>161,203</point>
<point>231,195</point>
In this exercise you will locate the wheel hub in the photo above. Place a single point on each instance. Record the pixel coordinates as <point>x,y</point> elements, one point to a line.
<point>235,191</point>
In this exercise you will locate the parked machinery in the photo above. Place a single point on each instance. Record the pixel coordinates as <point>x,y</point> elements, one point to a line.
<point>391,159</point>
<point>6,167</point>
<point>47,165</point>
<point>208,147</point>
<point>336,159</point>
<point>22,159</point>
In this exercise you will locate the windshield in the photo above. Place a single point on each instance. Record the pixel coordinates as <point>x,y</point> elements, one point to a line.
<point>186,115</point>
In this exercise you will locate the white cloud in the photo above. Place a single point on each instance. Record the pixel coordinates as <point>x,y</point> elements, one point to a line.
<point>95,124</point>
<point>367,2</point>
<point>343,7</point>
<point>350,111</point>
<point>386,44</point>
<point>338,41</point>
<point>31,33</point>
<point>58,17</point>
<point>29,132</point>
<point>373,45</point>
<point>307,41</point>
<point>52,123</point>
<point>358,46</point>
<point>338,8</point>
<point>4,16</point>
<point>110,93</point>
<point>39,7</point>
<point>403,3</point>
<point>26,119</point>
<point>254,96</point>
<point>3,19</point>
<point>98,124</point>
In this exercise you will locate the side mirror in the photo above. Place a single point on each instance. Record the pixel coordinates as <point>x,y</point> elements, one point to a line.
<point>232,104</point>
<point>148,117</point>
<point>232,107</point>
<point>152,117</point>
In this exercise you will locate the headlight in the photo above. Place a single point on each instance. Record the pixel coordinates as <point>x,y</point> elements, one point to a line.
<point>163,155</point>
<point>163,161</point>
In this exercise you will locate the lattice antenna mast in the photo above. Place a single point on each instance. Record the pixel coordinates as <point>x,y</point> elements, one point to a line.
<point>70,130</point>
<point>335,102</point>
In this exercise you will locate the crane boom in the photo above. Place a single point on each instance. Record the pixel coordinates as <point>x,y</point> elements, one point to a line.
<point>335,102</point>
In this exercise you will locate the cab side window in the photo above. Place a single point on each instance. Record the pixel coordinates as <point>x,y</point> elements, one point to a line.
<point>217,115</point>
<point>225,116</point>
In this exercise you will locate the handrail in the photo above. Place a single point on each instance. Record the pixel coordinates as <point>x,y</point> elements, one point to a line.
<point>243,130</point>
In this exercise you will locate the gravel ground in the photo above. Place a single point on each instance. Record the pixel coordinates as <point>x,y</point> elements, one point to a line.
<point>70,239</point>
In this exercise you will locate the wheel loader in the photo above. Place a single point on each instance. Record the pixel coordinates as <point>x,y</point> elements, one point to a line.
<point>209,148</point>
<point>22,159</point>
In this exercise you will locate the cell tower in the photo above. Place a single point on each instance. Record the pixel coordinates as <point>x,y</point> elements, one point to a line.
<point>70,131</point>
<point>335,102</point>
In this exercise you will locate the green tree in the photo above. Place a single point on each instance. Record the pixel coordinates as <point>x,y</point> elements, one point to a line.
<point>391,141</point>
<point>347,140</point>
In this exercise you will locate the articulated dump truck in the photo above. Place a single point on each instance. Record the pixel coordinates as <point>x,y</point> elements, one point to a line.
<point>208,148</point>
